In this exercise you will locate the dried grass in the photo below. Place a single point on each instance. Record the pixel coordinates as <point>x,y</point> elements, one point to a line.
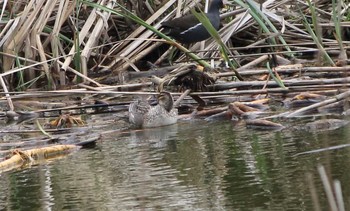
<point>50,44</point>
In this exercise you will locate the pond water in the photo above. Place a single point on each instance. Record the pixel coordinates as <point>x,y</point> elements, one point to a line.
<point>193,165</point>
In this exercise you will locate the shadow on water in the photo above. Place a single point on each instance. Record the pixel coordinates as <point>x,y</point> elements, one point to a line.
<point>187,166</point>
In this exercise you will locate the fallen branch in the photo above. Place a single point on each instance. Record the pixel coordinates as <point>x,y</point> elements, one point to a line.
<point>317,105</point>
<point>28,157</point>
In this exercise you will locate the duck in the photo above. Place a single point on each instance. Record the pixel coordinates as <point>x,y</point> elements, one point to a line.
<point>188,29</point>
<point>144,115</point>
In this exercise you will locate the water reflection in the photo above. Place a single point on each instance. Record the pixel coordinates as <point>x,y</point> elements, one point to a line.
<point>187,166</point>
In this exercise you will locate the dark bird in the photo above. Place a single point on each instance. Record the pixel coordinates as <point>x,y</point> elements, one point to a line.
<point>188,29</point>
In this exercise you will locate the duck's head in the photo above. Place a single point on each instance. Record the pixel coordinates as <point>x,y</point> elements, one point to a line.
<point>165,99</point>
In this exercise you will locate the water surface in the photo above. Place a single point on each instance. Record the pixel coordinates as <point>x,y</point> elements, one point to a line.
<point>194,165</point>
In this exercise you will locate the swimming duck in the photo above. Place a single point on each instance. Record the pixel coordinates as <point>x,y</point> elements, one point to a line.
<point>144,115</point>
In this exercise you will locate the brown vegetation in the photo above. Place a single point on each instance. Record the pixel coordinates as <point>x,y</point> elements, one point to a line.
<point>97,55</point>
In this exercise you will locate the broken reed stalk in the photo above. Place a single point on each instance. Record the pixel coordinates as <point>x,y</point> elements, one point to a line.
<point>21,158</point>
<point>291,69</point>
<point>130,46</point>
<point>84,32</point>
<point>313,192</point>
<point>94,36</point>
<point>327,187</point>
<point>339,195</point>
<point>270,84</point>
<point>178,101</point>
<point>7,95</point>
<point>317,105</point>
<point>254,88</point>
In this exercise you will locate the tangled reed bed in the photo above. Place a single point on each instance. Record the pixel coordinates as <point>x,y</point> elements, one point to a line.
<point>97,54</point>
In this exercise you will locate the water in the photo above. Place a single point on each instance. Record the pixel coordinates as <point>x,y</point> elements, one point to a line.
<point>189,166</point>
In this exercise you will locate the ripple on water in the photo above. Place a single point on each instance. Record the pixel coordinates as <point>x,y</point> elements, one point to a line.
<point>188,166</point>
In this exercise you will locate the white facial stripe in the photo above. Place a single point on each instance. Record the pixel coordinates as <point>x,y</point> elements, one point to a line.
<point>193,27</point>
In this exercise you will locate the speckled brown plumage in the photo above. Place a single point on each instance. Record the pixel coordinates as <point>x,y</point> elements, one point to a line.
<point>143,115</point>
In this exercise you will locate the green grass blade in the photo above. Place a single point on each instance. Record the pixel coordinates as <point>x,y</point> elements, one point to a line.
<point>212,31</point>
<point>317,39</point>
<point>336,16</point>
<point>261,19</point>
<point>278,81</point>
